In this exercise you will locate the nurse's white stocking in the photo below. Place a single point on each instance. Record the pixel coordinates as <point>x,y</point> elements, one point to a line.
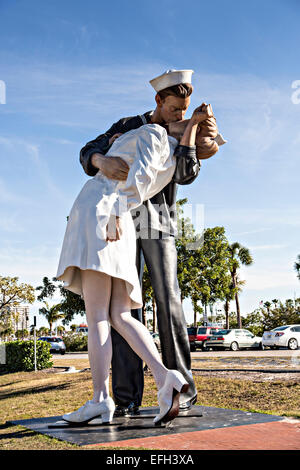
<point>134,332</point>
<point>96,288</point>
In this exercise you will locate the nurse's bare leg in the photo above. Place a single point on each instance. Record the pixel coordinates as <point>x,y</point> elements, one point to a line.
<point>96,288</point>
<point>134,332</point>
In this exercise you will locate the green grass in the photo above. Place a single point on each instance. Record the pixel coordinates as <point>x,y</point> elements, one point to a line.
<point>278,398</point>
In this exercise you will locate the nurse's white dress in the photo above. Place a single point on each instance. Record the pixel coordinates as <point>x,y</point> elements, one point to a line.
<point>148,151</point>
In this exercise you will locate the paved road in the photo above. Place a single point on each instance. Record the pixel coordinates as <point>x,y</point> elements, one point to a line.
<point>246,353</point>
<point>73,355</point>
<point>206,354</point>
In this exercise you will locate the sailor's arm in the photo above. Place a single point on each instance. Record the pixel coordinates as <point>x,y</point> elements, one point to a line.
<point>187,164</point>
<point>92,155</point>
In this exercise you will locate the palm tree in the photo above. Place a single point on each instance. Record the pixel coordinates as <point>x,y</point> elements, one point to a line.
<point>60,330</point>
<point>52,314</point>
<point>197,309</point>
<point>297,267</point>
<point>267,305</point>
<point>230,296</point>
<point>226,309</point>
<point>42,331</point>
<point>238,254</point>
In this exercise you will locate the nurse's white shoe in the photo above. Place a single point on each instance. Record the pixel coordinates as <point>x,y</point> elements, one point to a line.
<point>168,397</point>
<point>90,410</point>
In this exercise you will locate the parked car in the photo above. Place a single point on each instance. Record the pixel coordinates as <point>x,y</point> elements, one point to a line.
<point>156,340</point>
<point>57,344</point>
<point>82,329</point>
<point>234,339</point>
<point>198,336</point>
<point>287,336</point>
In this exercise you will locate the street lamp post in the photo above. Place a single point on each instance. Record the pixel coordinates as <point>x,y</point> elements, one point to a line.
<point>34,339</point>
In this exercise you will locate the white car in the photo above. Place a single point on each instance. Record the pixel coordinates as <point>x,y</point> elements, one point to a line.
<point>57,344</point>
<point>82,329</point>
<point>234,340</point>
<point>282,337</point>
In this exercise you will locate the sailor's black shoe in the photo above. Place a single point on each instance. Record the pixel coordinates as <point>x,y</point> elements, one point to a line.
<point>121,411</point>
<point>133,408</point>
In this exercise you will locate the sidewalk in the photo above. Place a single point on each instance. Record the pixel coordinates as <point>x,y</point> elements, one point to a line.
<point>279,435</point>
<point>201,428</point>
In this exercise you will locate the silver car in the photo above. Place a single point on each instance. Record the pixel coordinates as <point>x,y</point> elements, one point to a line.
<point>234,340</point>
<point>57,344</point>
<point>287,336</point>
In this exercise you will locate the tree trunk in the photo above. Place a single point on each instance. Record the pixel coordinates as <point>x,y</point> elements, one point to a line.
<point>154,314</point>
<point>226,308</point>
<point>144,318</point>
<point>195,312</point>
<point>238,313</point>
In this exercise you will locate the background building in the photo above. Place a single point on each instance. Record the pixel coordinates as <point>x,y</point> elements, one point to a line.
<point>20,317</point>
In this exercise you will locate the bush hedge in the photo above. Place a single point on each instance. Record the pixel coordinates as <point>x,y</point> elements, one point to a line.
<point>20,356</point>
<point>76,342</point>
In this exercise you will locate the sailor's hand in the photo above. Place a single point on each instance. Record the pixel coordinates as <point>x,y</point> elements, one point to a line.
<point>113,229</point>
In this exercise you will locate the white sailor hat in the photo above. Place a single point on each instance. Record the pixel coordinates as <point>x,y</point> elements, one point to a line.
<point>171,78</point>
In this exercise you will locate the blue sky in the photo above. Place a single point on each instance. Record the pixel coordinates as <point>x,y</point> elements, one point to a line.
<point>71,68</point>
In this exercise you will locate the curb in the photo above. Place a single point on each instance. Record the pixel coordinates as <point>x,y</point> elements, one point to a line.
<point>268,371</point>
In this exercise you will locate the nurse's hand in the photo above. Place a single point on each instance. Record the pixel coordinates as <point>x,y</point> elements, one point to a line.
<point>202,113</point>
<point>114,137</point>
<point>113,229</point>
<point>112,167</point>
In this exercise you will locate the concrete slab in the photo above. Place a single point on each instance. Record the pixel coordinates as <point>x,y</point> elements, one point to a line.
<point>132,431</point>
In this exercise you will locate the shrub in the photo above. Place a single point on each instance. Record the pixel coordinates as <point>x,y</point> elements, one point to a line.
<point>75,342</point>
<point>22,334</point>
<point>20,356</point>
